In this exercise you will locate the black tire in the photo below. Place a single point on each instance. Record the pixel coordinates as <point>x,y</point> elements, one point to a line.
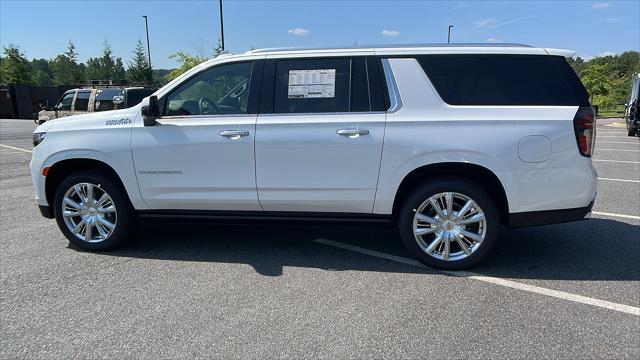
<point>456,185</point>
<point>126,219</point>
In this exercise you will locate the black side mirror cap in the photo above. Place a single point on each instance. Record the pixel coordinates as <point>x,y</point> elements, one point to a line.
<point>151,111</point>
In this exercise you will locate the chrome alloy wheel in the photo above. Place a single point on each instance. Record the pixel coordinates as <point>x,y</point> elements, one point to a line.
<point>449,226</point>
<point>89,212</point>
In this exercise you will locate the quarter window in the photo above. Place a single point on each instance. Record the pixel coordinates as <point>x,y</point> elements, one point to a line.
<point>504,80</point>
<point>219,90</point>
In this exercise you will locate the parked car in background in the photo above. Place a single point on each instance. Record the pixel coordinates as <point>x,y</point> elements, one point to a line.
<point>631,108</point>
<point>86,100</point>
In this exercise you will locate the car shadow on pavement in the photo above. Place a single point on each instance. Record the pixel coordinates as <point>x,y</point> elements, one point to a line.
<point>598,249</point>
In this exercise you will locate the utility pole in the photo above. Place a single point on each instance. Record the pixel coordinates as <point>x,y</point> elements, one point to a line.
<point>221,27</point>
<point>146,26</point>
<point>449,36</point>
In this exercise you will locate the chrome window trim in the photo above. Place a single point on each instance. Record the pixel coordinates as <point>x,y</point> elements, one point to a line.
<point>340,113</point>
<point>394,93</point>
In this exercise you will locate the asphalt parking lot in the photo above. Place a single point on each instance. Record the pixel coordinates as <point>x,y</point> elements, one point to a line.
<point>300,291</point>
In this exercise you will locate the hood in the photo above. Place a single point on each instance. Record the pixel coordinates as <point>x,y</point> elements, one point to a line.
<point>91,120</point>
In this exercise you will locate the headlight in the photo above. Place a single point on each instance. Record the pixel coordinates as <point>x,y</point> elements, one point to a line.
<point>37,138</point>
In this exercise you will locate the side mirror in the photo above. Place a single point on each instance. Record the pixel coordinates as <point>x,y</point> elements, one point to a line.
<point>151,111</point>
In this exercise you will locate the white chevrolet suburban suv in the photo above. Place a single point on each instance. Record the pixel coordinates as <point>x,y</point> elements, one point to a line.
<point>447,142</point>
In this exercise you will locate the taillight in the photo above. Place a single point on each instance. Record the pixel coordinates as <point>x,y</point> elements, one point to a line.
<point>584,124</point>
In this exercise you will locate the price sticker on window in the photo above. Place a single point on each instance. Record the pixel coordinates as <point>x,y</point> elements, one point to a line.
<point>304,84</point>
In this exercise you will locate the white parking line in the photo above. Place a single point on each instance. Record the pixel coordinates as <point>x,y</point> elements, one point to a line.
<point>492,280</point>
<point>621,180</point>
<point>623,216</point>
<point>617,142</point>
<point>609,136</point>
<point>618,161</point>
<point>617,150</point>
<point>15,148</point>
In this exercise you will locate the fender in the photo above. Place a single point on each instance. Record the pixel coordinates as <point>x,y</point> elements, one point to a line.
<point>392,178</point>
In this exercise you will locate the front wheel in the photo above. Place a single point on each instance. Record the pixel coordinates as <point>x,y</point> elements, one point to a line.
<point>449,223</point>
<point>92,211</point>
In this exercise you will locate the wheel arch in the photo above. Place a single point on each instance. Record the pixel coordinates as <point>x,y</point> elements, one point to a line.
<point>480,175</point>
<point>63,168</point>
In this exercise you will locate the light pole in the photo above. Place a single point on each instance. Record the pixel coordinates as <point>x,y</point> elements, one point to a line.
<point>221,27</point>
<point>146,26</point>
<point>449,36</point>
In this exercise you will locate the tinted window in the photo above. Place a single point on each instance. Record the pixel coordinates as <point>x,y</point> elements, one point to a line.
<point>134,96</point>
<point>82,101</point>
<point>359,86</point>
<point>65,102</point>
<point>109,99</point>
<point>312,86</point>
<point>504,80</point>
<point>222,89</point>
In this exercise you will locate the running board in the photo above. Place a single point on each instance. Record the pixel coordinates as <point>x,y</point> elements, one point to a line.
<point>262,216</point>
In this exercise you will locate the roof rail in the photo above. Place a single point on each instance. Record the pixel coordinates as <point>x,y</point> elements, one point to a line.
<point>387,46</point>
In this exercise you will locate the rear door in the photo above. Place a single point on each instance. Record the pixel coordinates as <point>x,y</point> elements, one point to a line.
<point>319,135</point>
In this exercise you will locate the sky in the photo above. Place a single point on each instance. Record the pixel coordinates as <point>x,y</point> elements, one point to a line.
<point>42,29</point>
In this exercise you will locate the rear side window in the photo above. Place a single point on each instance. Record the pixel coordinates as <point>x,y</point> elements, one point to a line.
<point>108,99</point>
<point>504,80</point>
<point>82,101</point>
<point>312,86</point>
<point>321,86</point>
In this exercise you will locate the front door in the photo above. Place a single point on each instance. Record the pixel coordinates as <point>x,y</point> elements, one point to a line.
<point>200,154</point>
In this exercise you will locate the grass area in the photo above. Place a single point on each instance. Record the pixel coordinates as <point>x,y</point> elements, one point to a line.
<point>615,112</point>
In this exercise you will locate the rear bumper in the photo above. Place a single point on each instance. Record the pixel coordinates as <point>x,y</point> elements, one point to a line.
<point>533,218</point>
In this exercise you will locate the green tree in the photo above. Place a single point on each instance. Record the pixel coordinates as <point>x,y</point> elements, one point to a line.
<point>187,61</point>
<point>65,67</point>
<point>118,70</point>
<point>41,73</point>
<point>105,67</point>
<point>15,68</point>
<point>595,80</point>
<point>139,70</point>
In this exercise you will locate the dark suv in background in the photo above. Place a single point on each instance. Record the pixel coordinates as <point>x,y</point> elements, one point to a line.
<point>101,98</point>
<point>631,117</point>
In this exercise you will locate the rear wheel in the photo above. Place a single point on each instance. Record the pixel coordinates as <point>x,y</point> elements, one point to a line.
<point>449,223</point>
<point>92,211</point>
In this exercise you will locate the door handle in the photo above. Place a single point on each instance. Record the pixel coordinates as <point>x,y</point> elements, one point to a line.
<point>234,134</point>
<point>352,133</point>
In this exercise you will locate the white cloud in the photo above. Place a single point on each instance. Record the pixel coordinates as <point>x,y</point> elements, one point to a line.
<point>483,23</point>
<point>493,40</point>
<point>386,32</point>
<point>492,23</point>
<point>298,32</point>
<point>600,5</point>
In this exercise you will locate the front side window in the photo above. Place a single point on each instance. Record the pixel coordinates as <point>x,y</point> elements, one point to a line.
<point>219,90</point>
<point>65,103</point>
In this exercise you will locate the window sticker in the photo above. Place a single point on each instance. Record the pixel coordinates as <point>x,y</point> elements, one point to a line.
<point>304,84</point>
